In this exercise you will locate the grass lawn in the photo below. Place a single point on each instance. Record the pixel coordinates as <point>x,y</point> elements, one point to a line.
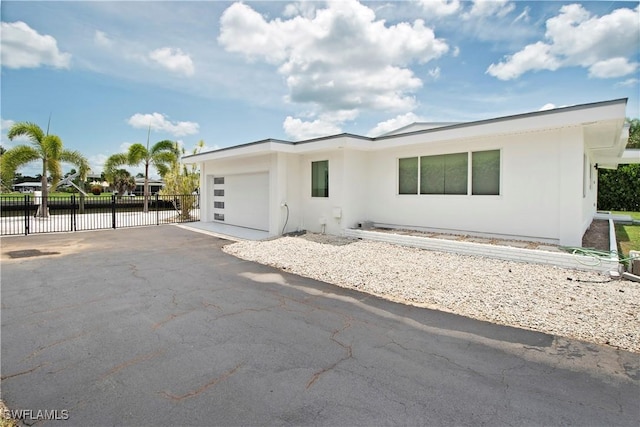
<point>54,194</point>
<point>628,236</point>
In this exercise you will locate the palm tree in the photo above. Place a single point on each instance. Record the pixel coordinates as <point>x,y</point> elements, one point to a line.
<point>123,182</point>
<point>45,147</point>
<point>160,156</point>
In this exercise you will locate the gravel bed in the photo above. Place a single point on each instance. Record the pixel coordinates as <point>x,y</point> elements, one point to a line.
<point>583,305</point>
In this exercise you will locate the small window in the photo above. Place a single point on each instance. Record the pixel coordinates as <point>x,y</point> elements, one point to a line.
<point>218,180</point>
<point>218,193</point>
<point>408,175</point>
<point>485,174</point>
<point>218,205</point>
<point>218,216</point>
<point>320,179</point>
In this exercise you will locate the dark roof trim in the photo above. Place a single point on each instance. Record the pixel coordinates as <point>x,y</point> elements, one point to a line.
<point>506,118</point>
<point>422,131</point>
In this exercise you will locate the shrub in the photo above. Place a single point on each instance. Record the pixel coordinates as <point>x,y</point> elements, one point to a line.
<point>618,190</point>
<point>96,190</point>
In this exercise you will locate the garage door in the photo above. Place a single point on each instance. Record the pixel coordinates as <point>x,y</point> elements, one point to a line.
<point>242,200</point>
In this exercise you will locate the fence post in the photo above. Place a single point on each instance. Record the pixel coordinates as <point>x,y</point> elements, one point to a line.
<point>157,211</point>
<point>113,211</point>
<point>26,215</point>
<point>73,212</point>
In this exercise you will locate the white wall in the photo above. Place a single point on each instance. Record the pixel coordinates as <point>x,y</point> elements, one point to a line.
<point>315,209</point>
<point>531,203</point>
<point>540,190</point>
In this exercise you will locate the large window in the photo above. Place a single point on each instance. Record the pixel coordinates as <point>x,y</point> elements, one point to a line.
<point>320,179</point>
<point>444,174</point>
<point>449,174</point>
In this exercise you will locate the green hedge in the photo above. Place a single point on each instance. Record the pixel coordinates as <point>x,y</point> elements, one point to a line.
<point>619,190</point>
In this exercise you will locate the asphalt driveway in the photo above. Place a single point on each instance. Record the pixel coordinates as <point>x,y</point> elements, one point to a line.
<point>157,326</point>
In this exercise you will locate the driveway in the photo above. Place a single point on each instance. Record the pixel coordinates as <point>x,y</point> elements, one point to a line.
<point>157,326</point>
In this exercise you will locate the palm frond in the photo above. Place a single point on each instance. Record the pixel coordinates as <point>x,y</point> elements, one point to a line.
<point>114,162</point>
<point>55,172</point>
<point>28,129</point>
<point>15,158</point>
<point>52,146</point>
<point>162,169</point>
<point>78,160</point>
<point>165,145</point>
<point>136,154</point>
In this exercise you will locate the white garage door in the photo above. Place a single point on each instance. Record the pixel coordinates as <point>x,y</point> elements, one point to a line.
<point>243,201</point>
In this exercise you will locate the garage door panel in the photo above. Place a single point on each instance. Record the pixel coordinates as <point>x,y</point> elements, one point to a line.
<point>246,200</point>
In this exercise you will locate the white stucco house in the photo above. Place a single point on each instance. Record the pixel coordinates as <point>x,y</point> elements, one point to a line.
<point>529,176</point>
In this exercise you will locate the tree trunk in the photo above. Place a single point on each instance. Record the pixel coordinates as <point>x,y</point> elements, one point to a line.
<point>146,187</point>
<point>43,210</point>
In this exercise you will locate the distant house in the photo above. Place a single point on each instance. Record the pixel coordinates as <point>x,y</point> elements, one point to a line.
<point>155,185</point>
<point>529,176</point>
<point>28,187</point>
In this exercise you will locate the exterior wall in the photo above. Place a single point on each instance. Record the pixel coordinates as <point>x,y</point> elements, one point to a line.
<point>541,189</point>
<point>319,210</point>
<point>531,204</point>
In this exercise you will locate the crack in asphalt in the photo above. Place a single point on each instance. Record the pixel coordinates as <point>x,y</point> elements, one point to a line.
<point>127,363</point>
<point>202,388</point>
<point>28,371</point>
<point>53,344</point>
<point>348,356</point>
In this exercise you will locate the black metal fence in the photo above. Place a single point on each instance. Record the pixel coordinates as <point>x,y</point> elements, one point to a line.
<point>24,214</point>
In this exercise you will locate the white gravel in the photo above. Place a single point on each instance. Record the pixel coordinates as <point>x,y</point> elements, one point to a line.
<point>570,303</point>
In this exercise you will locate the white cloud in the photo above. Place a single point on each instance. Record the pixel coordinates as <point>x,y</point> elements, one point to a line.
<point>488,8</point>
<point>393,124</point>
<point>535,56</point>
<point>577,38</point>
<point>434,73</point>
<point>23,47</point>
<point>628,83</point>
<point>174,60</point>
<point>160,122</point>
<point>6,124</point>
<point>438,8</point>
<point>614,67</point>
<point>299,129</point>
<point>336,58</point>
<point>102,39</point>
<point>96,162</point>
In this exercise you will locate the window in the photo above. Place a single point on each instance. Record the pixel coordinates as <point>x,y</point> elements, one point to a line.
<point>218,217</point>
<point>485,173</point>
<point>320,179</point>
<point>218,180</point>
<point>218,205</point>
<point>218,193</point>
<point>449,174</point>
<point>444,174</point>
<point>408,181</point>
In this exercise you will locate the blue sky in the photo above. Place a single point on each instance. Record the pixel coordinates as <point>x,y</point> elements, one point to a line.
<point>235,72</point>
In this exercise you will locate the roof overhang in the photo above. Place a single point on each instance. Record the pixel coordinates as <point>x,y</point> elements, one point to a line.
<point>603,125</point>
